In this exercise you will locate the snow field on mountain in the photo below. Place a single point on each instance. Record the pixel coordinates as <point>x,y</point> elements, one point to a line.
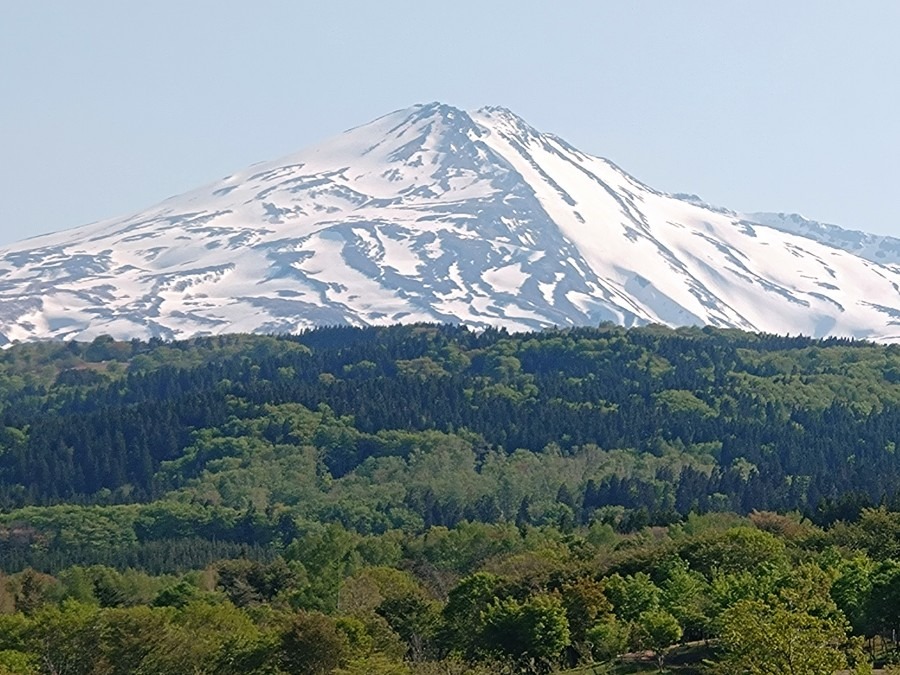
<point>435,214</point>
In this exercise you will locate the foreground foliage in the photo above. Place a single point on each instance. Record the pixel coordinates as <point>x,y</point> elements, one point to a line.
<point>542,601</point>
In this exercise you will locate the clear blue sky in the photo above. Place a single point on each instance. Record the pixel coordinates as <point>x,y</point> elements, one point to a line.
<point>107,107</point>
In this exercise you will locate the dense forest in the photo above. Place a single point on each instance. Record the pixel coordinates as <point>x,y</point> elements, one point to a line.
<point>431,499</point>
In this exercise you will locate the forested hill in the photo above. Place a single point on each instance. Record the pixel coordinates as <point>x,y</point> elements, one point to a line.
<point>420,425</point>
<point>422,499</point>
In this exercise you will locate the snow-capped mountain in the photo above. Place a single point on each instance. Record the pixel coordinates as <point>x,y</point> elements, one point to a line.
<point>877,248</point>
<point>436,214</point>
<point>881,249</point>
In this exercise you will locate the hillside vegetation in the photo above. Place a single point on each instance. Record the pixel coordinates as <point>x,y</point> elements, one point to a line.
<point>433,499</point>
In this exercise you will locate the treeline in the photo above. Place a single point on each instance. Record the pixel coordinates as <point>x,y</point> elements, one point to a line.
<point>753,421</point>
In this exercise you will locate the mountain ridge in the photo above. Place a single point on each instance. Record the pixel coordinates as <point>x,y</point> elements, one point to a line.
<point>436,214</point>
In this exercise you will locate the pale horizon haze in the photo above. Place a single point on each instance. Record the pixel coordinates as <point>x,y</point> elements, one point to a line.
<point>109,107</point>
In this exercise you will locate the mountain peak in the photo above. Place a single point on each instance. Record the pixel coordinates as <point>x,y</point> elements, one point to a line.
<point>437,108</point>
<point>507,119</point>
<point>432,213</point>
<point>437,112</point>
<point>498,111</point>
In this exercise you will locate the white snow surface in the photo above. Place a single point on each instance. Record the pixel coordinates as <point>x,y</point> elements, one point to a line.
<point>436,214</point>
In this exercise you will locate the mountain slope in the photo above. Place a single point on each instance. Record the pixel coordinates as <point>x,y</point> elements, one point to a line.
<point>880,249</point>
<point>435,214</point>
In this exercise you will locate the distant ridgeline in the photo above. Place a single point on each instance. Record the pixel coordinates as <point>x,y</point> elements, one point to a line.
<point>230,440</point>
